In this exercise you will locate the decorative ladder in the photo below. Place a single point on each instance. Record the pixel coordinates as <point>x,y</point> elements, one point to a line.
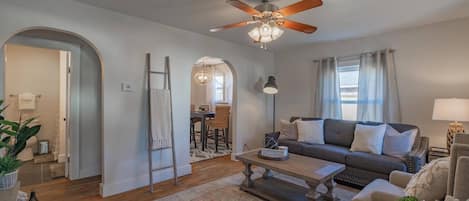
<point>167,85</point>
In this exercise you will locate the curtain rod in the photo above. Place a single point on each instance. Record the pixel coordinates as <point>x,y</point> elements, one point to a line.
<point>356,55</point>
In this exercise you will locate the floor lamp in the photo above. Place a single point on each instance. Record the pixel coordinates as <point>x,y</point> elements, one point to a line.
<point>271,88</point>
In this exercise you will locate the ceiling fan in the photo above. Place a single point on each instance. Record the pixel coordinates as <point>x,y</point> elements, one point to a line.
<point>270,17</point>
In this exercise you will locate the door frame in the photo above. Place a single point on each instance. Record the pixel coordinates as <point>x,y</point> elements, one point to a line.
<point>73,94</point>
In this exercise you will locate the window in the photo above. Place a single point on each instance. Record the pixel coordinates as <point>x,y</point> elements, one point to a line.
<point>220,89</point>
<point>348,84</point>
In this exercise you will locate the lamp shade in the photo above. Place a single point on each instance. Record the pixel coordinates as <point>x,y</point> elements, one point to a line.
<point>271,86</point>
<point>451,109</point>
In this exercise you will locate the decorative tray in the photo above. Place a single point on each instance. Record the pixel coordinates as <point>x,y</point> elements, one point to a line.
<point>272,158</point>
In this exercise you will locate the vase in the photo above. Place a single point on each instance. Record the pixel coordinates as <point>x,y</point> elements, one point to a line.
<point>9,180</point>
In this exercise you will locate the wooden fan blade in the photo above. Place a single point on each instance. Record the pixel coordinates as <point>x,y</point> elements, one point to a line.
<point>299,7</point>
<point>234,25</point>
<point>243,6</point>
<point>299,26</point>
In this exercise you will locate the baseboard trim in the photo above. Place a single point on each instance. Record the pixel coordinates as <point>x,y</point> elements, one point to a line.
<point>142,180</point>
<point>89,172</point>
<point>233,156</point>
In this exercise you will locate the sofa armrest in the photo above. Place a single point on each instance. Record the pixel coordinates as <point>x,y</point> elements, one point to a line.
<point>417,158</point>
<point>461,179</point>
<point>383,196</point>
<point>458,151</point>
<point>400,178</point>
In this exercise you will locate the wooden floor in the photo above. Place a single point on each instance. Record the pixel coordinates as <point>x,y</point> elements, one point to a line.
<point>88,189</point>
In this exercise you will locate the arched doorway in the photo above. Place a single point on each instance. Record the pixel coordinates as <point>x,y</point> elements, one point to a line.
<point>62,72</point>
<point>213,109</point>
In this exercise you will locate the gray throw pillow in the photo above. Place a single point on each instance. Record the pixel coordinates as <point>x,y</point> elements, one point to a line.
<point>288,130</point>
<point>398,144</point>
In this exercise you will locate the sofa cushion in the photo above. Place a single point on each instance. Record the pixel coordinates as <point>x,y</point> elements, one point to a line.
<point>339,132</point>
<point>376,163</point>
<point>293,145</point>
<point>326,152</point>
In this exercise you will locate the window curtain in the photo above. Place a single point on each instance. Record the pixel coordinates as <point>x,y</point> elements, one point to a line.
<point>327,102</point>
<point>377,88</point>
<point>211,86</point>
<point>229,85</point>
<point>211,90</point>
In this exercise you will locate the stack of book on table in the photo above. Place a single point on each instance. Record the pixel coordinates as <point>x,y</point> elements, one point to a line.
<point>437,152</point>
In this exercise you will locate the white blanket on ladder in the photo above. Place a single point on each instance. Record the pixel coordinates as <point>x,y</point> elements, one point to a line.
<point>161,118</point>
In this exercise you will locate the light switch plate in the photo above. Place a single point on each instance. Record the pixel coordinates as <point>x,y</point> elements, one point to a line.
<point>127,87</point>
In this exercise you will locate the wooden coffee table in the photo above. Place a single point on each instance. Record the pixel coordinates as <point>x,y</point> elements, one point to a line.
<point>313,171</point>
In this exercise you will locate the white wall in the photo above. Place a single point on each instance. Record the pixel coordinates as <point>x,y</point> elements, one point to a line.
<point>432,62</point>
<point>26,67</point>
<point>122,42</point>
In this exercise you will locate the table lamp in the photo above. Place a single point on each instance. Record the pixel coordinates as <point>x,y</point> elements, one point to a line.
<point>451,109</point>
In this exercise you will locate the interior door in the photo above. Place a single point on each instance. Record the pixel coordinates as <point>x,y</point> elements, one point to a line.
<point>67,115</point>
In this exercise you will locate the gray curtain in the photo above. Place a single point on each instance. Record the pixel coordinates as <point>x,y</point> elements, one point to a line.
<point>327,102</point>
<point>377,88</point>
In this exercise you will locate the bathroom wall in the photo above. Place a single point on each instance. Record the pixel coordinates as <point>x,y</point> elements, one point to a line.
<point>34,70</point>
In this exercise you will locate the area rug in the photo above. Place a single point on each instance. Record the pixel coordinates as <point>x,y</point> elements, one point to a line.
<point>209,153</point>
<point>227,189</point>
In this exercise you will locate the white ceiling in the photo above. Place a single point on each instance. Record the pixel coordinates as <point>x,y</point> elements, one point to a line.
<point>336,19</point>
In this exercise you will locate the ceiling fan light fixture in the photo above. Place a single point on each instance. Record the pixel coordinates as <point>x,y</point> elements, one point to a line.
<point>265,33</point>
<point>265,30</point>
<point>255,34</point>
<point>266,39</point>
<point>276,33</point>
<point>271,18</point>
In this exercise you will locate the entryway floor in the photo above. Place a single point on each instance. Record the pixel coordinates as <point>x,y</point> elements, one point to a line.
<point>32,173</point>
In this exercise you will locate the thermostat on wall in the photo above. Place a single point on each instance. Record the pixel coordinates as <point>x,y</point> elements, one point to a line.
<point>127,87</point>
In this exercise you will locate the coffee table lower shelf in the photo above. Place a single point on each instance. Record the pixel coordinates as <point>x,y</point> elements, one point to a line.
<point>274,189</point>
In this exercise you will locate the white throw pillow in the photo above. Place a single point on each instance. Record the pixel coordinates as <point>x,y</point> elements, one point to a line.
<point>311,131</point>
<point>430,182</point>
<point>368,138</point>
<point>398,144</point>
<point>288,130</point>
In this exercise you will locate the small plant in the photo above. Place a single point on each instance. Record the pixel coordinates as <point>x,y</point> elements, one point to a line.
<point>8,164</point>
<point>13,138</point>
<point>409,198</point>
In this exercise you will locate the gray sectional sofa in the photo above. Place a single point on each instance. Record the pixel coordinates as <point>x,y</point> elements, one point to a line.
<point>361,168</point>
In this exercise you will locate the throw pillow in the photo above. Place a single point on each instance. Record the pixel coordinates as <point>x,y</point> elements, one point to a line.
<point>398,144</point>
<point>311,131</point>
<point>368,138</point>
<point>430,182</point>
<point>288,130</point>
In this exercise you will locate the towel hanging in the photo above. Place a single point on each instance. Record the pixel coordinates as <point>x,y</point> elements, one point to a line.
<point>161,113</point>
<point>26,101</point>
